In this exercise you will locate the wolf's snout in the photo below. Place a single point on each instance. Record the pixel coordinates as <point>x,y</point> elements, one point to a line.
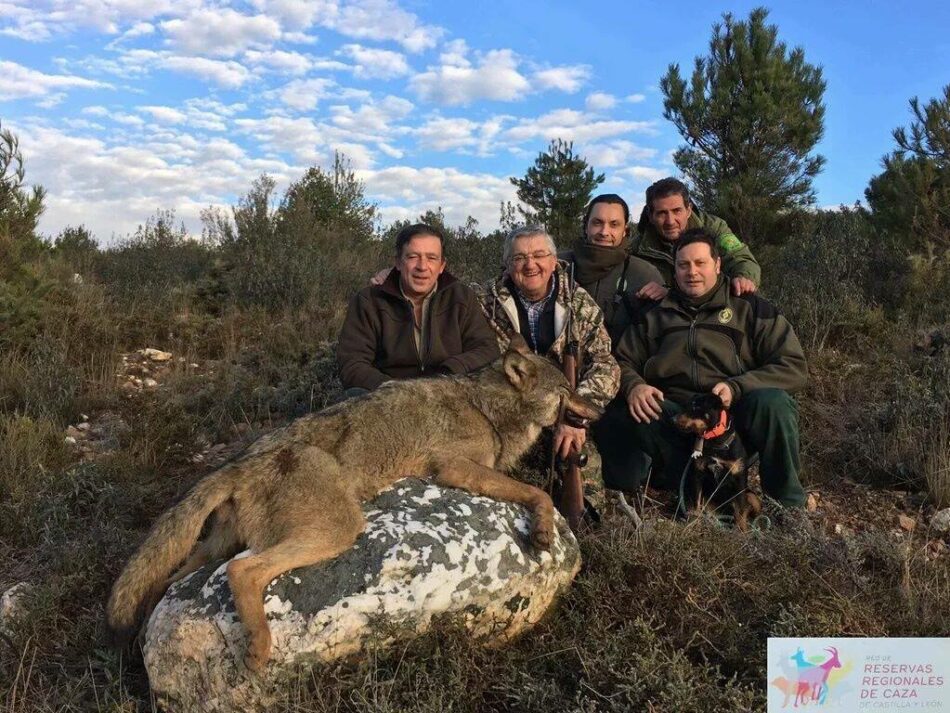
<point>582,408</point>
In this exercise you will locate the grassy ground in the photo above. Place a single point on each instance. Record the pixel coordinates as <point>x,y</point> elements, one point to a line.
<point>672,619</point>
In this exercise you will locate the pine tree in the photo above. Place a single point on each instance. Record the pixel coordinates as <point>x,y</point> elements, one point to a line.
<point>751,115</point>
<point>556,190</point>
<point>910,200</point>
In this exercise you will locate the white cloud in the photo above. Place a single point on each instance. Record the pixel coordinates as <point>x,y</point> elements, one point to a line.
<point>404,192</point>
<point>643,174</point>
<point>41,20</point>
<point>371,63</point>
<point>280,61</point>
<point>305,94</point>
<point>300,137</point>
<point>565,79</point>
<point>220,32</point>
<point>573,125</point>
<point>228,73</point>
<point>373,121</point>
<point>442,134</point>
<point>600,101</point>
<point>459,83</point>
<point>164,114</point>
<point>298,15</point>
<point>635,98</point>
<point>383,20</point>
<point>21,82</point>
<point>616,153</point>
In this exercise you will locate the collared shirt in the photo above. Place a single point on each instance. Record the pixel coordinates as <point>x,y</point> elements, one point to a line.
<point>418,328</point>
<point>536,309</point>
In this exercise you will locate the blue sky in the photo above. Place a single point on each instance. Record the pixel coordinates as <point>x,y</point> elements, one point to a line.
<point>124,107</point>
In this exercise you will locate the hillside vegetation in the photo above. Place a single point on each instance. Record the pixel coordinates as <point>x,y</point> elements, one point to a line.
<point>671,619</point>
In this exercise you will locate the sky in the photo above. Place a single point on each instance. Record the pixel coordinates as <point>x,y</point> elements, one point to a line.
<point>126,107</point>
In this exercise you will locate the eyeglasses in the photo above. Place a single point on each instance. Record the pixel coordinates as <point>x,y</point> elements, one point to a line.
<point>520,259</point>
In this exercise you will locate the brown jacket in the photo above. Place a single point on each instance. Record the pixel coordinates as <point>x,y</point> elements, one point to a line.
<point>377,342</point>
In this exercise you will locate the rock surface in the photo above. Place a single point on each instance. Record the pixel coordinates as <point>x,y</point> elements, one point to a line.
<point>426,552</point>
<point>941,520</point>
<point>13,606</point>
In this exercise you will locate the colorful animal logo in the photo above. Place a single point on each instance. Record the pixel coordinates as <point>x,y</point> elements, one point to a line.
<point>811,679</point>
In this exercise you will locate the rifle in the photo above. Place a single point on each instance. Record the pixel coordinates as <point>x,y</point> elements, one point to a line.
<point>571,501</point>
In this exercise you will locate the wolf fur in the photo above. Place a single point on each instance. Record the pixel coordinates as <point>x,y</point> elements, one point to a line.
<point>294,496</point>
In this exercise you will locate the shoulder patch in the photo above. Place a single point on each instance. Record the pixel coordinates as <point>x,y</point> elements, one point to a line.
<point>761,307</point>
<point>729,243</point>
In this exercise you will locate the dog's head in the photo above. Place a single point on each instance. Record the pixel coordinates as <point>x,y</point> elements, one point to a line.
<point>701,414</point>
<point>542,385</point>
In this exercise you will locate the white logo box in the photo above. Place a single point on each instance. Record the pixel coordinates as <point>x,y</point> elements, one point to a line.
<point>852,675</point>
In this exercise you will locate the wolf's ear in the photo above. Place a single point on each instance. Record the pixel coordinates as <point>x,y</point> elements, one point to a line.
<point>519,370</point>
<point>518,344</point>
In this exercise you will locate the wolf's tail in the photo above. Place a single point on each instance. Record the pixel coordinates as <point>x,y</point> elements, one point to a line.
<point>170,540</point>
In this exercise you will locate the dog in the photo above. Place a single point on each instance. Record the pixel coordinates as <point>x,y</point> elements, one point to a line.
<point>718,471</point>
<point>294,496</point>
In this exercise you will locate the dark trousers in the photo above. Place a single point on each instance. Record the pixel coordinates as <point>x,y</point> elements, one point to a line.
<point>767,422</point>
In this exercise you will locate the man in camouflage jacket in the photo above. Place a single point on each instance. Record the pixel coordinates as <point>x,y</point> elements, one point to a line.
<point>702,338</point>
<point>534,298</point>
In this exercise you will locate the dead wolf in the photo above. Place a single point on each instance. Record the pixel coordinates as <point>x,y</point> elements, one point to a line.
<point>294,496</point>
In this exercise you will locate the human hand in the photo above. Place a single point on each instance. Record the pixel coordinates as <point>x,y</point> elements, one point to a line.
<point>380,277</point>
<point>724,392</point>
<point>568,439</point>
<point>743,286</point>
<point>652,291</point>
<point>644,402</point>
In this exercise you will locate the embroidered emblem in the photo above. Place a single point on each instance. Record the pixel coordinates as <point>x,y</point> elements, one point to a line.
<point>725,316</point>
<point>729,243</point>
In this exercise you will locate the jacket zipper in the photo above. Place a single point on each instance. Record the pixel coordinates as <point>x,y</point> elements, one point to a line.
<point>691,350</point>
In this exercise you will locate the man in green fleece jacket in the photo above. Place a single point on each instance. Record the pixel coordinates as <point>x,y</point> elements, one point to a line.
<point>702,338</point>
<point>668,213</point>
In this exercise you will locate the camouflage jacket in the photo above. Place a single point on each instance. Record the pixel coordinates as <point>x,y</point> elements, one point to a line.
<point>599,379</point>
<point>737,259</point>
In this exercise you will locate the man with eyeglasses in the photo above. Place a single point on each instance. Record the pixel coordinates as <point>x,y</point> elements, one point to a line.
<point>534,298</point>
<point>418,321</point>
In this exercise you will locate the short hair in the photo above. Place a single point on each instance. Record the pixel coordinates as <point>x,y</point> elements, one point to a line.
<point>611,198</point>
<point>665,188</point>
<point>415,230</point>
<point>525,231</point>
<point>696,235</point>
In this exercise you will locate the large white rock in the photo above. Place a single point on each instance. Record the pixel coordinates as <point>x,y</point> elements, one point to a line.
<point>426,552</point>
<point>941,520</point>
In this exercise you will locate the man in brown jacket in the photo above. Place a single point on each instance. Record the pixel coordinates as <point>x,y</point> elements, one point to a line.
<point>420,321</point>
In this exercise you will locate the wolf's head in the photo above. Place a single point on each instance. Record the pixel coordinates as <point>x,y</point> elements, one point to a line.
<point>542,386</point>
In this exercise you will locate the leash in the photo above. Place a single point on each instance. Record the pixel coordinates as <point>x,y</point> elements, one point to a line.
<point>760,522</point>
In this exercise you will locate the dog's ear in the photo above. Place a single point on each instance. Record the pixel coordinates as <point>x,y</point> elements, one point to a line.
<point>519,370</point>
<point>518,344</point>
<point>714,401</point>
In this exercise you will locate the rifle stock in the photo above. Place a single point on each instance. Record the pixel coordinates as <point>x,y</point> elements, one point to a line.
<point>571,502</point>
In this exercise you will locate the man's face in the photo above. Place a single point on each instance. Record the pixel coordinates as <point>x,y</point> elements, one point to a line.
<point>606,225</point>
<point>420,265</point>
<point>531,265</point>
<point>669,216</point>
<point>696,270</point>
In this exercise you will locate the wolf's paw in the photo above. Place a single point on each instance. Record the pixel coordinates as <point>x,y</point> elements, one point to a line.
<point>541,538</point>
<point>258,652</point>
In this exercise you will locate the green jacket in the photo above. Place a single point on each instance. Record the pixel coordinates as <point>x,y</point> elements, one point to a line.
<point>599,376</point>
<point>684,350</point>
<point>737,259</point>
